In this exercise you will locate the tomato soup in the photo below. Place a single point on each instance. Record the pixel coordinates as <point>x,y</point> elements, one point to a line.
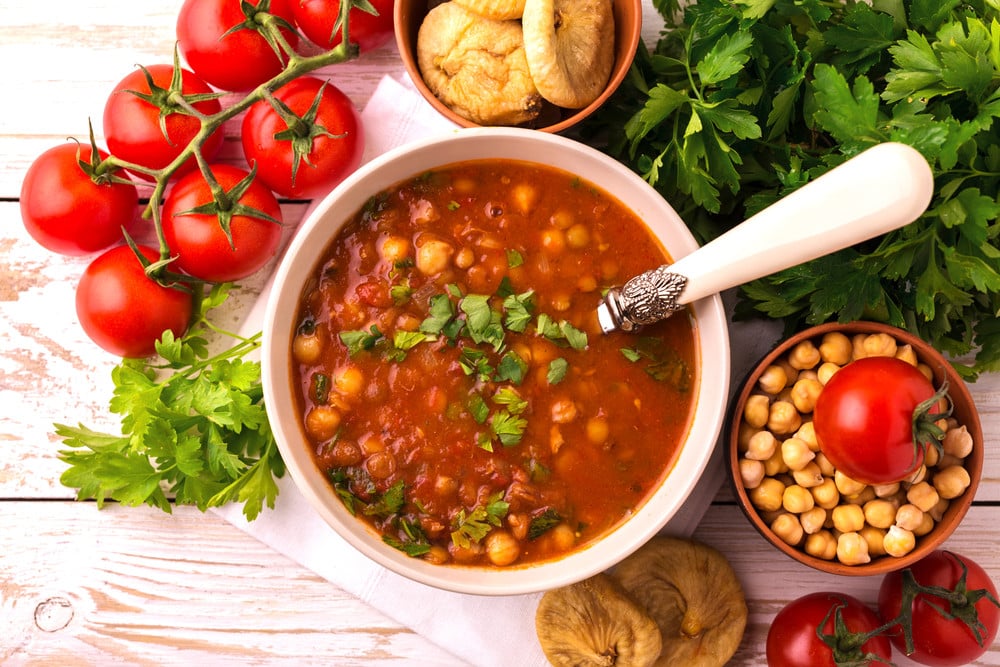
<point>453,381</point>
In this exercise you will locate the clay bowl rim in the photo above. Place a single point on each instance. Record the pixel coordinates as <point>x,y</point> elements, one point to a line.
<point>966,413</point>
<point>628,33</point>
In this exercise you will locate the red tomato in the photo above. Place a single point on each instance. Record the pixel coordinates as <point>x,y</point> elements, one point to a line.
<point>864,419</point>
<point>939,640</point>
<point>66,210</point>
<point>317,18</point>
<point>123,310</point>
<point>321,151</point>
<point>231,59</point>
<point>792,640</point>
<point>197,238</point>
<point>135,130</point>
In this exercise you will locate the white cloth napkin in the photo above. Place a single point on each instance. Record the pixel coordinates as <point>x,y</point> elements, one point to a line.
<point>478,630</point>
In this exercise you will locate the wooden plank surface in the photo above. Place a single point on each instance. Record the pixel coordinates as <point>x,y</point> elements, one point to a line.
<point>80,586</point>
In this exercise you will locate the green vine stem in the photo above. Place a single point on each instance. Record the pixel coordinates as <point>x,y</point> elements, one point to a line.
<point>297,65</point>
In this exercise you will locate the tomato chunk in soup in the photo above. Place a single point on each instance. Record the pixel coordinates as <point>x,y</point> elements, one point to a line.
<point>454,384</point>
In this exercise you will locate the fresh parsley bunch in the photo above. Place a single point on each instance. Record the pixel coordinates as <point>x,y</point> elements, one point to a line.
<point>741,102</point>
<point>194,428</point>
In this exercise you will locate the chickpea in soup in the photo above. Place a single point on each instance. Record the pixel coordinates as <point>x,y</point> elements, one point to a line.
<point>453,382</point>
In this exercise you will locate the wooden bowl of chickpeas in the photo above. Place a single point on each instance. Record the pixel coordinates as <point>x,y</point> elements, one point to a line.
<point>808,509</point>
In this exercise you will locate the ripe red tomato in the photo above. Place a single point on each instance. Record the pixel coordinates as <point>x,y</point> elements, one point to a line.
<point>864,419</point>
<point>792,640</point>
<point>316,20</point>
<point>197,237</point>
<point>231,59</point>
<point>124,311</point>
<point>312,156</point>
<point>134,127</point>
<point>939,640</point>
<point>68,211</point>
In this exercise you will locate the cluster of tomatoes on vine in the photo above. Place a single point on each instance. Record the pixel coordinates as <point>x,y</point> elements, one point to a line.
<point>163,123</point>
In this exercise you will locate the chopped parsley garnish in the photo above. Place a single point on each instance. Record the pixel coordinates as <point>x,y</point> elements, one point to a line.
<point>542,523</point>
<point>474,526</point>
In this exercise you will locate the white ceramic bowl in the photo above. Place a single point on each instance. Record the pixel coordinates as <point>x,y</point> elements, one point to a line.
<point>323,224</point>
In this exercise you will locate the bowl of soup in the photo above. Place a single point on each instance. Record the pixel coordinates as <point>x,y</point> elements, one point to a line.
<point>439,385</point>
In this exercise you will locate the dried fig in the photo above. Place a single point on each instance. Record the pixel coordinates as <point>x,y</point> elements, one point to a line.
<point>595,623</point>
<point>477,66</point>
<point>569,46</point>
<point>692,593</point>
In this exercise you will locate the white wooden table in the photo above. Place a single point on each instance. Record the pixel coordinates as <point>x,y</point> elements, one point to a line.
<point>135,586</point>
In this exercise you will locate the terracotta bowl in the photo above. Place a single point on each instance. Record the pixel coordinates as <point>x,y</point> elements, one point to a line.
<point>408,15</point>
<point>964,411</point>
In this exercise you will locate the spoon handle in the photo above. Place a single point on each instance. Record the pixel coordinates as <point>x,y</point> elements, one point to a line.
<point>877,191</point>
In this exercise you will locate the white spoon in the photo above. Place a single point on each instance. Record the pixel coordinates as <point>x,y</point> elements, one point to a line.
<point>877,191</point>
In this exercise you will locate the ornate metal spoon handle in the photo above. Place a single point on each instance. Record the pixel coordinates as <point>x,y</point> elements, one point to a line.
<point>879,190</point>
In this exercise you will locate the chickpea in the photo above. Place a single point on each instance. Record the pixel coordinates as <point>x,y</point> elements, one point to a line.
<point>907,354</point>
<point>813,520</point>
<point>433,256</point>
<point>562,219</point>
<point>795,453</point>
<point>525,196</point>
<point>826,371</point>
<point>578,236</point>
<point>437,555</point>
<point>835,348</point>
<point>756,410</point>
<point>773,379</point>
<point>783,418</point>
<point>932,456</point>
<point>866,494</point>
<point>307,348</point>
<point>563,411</point>
<point>886,490</point>
<point>586,284</point>
<point>762,446</point>
<point>846,485</point>
<point>502,548</point>
<point>807,434</point>
<point>805,392</point>
<point>465,258</point>
<point>791,372</point>
<point>875,539</point>
<point>767,496</point>
<point>788,529</point>
<point>879,345</point>
<point>910,516</point>
<point>380,465</point>
<point>927,524</point>
<point>349,381</point>
<point>923,495</point>
<point>951,482</point>
<point>751,473</point>
<point>821,545</point>
<point>597,430</point>
<point>848,518</point>
<point>899,541</point>
<point>808,476</point>
<point>957,442</point>
<point>797,499</point>
<point>563,537</point>
<point>826,494</point>
<point>940,507</point>
<point>804,355</point>
<point>879,513</point>
<point>553,241</point>
<point>852,549</point>
<point>775,465</point>
<point>394,248</point>
<point>322,422</point>
<point>824,464</point>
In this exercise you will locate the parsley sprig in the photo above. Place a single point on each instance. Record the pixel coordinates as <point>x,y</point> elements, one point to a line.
<point>741,102</point>
<point>193,428</point>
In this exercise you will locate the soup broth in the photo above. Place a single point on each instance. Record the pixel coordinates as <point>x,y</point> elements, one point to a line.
<point>454,384</point>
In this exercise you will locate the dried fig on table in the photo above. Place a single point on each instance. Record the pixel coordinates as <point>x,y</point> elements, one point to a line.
<point>595,623</point>
<point>570,48</point>
<point>692,593</point>
<point>477,66</point>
